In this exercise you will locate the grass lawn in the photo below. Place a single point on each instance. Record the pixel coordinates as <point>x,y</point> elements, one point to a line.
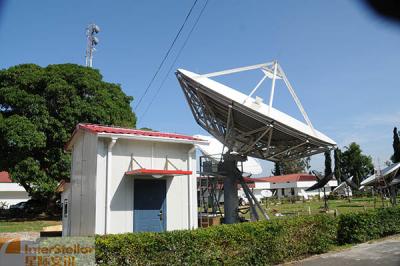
<point>316,206</point>
<point>25,226</point>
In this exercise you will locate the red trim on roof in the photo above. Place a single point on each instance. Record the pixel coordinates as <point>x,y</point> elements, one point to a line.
<point>5,177</point>
<point>129,131</point>
<point>95,129</point>
<point>144,171</point>
<point>284,178</point>
<point>61,186</point>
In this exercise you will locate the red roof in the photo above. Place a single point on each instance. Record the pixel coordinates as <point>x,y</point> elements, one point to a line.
<point>129,131</point>
<point>163,172</point>
<point>284,178</point>
<point>5,177</point>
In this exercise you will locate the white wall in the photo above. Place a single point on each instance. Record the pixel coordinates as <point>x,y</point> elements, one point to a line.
<point>298,186</point>
<point>89,181</point>
<point>66,221</point>
<point>12,193</point>
<point>150,155</point>
<point>101,186</point>
<point>83,185</point>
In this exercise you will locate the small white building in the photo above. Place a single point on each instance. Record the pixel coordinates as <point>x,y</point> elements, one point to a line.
<point>127,180</point>
<point>288,185</point>
<point>11,193</point>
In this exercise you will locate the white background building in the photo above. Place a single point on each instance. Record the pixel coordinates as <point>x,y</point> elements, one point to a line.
<point>11,193</point>
<point>289,185</point>
<point>126,180</point>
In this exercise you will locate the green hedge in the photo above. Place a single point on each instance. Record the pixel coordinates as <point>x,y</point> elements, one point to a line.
<point>258,243</point>
<point>361,227</point>
<point>265,242</point>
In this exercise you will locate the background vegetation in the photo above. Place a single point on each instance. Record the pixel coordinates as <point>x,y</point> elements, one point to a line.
<point>39,109</point>
<point>257,243</point>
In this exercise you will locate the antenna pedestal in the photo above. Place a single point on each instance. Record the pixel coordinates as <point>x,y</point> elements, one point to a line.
<point>231,199</point>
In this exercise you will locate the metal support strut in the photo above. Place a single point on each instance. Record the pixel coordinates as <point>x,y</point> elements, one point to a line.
<point>231,199</point>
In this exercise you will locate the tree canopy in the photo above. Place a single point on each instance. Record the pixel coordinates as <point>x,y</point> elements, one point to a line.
<point>292,167</point>
<point>39,109</point>
<point>328,163</point>
<point>396,146</point>
<point>337,155</point>
<point>277,169</point>
<point>355,163</point>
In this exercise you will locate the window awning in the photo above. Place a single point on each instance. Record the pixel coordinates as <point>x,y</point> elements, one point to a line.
<point>157,172</point>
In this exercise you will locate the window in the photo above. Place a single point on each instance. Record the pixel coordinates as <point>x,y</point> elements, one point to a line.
<point>65,208</point>
<point>283,192</point>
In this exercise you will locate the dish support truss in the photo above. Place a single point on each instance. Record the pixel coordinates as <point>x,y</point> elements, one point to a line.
<point>385,187</point>
<point>226,121</point>
<point>222,177</point>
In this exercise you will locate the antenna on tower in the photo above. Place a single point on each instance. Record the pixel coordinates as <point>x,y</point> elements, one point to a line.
<point>92,41</point>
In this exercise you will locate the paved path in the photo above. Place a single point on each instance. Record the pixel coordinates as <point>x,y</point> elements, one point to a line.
<point>384,252</point>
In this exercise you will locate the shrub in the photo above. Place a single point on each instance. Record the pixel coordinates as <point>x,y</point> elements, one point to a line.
<point>264,242</point>
<point>361,227</point>
<point>258,243</point>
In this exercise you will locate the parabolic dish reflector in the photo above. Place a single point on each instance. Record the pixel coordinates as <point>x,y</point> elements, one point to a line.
<point>245,124</point>
<point>385,173</point>
<point>322,181</point>
<point>348,182</point>
<point>214,149</point>
<point>341,185</point>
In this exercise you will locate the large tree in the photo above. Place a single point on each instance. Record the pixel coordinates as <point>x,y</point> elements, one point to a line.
<point>355,163</point>
<point>295,166</point>
<point>396,146</point>
<point>277,169</point>
<point>39,109</point>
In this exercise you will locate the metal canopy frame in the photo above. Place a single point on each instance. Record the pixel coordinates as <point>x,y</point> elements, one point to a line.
<point>242,129</point>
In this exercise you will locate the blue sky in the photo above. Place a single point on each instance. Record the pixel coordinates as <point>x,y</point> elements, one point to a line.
<point>343,61</point>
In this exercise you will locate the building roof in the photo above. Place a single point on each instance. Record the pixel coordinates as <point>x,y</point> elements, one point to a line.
<point>61,186</point>
<point>130,132</point>
<point>5,177</point>
<point>284,178</point>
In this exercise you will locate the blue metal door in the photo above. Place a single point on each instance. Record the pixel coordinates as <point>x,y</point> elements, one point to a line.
<point>149,213</point>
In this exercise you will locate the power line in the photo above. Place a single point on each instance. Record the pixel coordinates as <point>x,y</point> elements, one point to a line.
<point>166,55</point>
<point>176,59</point>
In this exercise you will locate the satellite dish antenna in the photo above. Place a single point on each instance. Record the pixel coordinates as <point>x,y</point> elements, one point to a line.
<point>347,185</point>
<point>385,174</point>
<point>215,148</point>
<point>322,181</point>
<point>386,179</point>
<point>266,193</point>
<point>249,127</point>
<point>349,181</point>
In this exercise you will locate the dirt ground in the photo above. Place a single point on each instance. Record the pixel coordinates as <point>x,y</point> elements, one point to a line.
<point>21,235</point>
